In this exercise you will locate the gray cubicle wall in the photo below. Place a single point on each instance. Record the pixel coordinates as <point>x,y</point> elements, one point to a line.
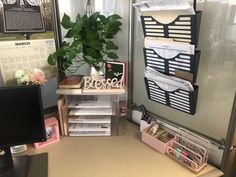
<point>216,75</point>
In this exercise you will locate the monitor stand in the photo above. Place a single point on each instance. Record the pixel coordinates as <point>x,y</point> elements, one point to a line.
<point>23,166</point>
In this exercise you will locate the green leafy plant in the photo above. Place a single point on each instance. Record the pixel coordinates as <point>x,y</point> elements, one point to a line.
<point>88,40</point>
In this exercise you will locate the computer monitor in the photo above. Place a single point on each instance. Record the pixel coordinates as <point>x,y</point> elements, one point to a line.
<point>21,122</point>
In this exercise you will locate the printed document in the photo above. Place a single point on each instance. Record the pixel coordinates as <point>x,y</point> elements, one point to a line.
<point>167,83</point>
<point>165,11</point>
<point>168,49</point>
<point>165,5</point>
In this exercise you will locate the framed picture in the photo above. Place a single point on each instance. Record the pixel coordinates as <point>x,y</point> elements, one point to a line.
<point>115,69</point>
<point>52,133</point>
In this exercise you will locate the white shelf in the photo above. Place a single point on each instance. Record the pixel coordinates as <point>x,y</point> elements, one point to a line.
<point>100,102</point>
<point>90,119</point>
<point>90,91</point>
<point>89,127</point>
<point>90,133</point>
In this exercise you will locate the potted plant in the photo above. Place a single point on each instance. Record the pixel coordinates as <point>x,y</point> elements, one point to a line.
<point>88,40</point>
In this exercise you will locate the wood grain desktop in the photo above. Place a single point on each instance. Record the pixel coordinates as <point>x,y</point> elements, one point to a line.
<point>115,156</point>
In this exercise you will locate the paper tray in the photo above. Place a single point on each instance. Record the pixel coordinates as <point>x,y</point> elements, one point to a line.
<point>185,28</point>
<point>182,100</point>
<point>183,62</point>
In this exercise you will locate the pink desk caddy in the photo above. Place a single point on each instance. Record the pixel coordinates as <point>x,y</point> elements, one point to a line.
<point>152,141</point>
<point>52,133</point>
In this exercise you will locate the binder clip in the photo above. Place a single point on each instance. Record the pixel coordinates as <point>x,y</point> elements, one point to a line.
<point>145,116</point>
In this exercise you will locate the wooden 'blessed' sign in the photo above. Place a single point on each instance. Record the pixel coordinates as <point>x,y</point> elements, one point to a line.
<point>90,83</point>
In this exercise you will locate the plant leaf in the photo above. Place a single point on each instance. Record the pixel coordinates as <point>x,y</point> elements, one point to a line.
<point>51,59</point>
<point>91,35</point>
<point>96,44</point>
<point>69,34</point>
<point>78,26</point>
<point>112,55</point>
<point>66,23</point>
<point>78,45</point>
<point>114,17</point>
<point>91,52</point>
<point>102,18</point>
<point>111,46</point>
<point>78,17</point>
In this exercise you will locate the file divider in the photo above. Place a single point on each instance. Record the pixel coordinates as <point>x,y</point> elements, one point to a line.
<point>185,28</point>
<point>184,62</point>
<point>185,101</point>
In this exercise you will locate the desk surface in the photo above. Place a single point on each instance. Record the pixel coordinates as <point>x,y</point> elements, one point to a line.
<point>116,156</point>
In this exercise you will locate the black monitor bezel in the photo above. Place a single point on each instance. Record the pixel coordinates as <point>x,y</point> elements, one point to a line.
<point>43,133</point>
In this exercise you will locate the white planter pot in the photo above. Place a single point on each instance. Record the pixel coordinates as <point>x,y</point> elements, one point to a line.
<point>96,75</point>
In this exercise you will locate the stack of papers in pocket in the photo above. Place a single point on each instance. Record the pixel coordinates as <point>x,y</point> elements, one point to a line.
<point>165,11</point>
<point>167,83</point>
<point>168,48</point>
<point>159,5</point>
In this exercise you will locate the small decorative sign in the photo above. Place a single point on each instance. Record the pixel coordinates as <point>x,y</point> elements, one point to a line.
<point>90,83</point>
<point>115,69</point>
<point>23,18</point>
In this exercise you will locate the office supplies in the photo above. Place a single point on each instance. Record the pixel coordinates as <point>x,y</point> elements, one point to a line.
<point>170,48</point>
<point>165,5</point>
<point>168,56</point>
<point>168,83</point>
<point>185,63</point>
<point>168,20</point>
<point>185,150</point>
<point>182,100</point>
<point>154,142</point>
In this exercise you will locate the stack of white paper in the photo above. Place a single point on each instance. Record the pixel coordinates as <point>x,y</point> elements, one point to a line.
<point>159,5</point>
<point>167,83</point>
<point>168,48</point>
<point>101,102</point>
<point>165,11</point>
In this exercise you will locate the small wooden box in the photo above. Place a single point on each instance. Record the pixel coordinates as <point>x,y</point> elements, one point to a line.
<point>52,133</point>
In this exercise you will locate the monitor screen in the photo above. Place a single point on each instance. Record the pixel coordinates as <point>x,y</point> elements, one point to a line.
<point>21,115</point>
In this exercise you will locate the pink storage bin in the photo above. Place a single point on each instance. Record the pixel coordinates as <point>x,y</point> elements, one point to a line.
<point>52,133</point>
<point>154,142</point>
<point>143,125</point>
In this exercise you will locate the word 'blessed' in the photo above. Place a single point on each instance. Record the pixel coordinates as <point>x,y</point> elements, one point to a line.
<point>90,83</point>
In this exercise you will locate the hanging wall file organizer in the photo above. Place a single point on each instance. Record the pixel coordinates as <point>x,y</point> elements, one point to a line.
<point>182,100</point>
<point>184,62</point>
<point>185,28</point>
